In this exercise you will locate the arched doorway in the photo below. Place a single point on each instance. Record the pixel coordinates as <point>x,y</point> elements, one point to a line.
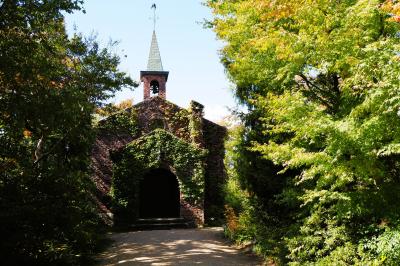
<point>159,195</point>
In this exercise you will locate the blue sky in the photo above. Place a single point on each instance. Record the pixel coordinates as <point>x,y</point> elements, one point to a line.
<point>188,51</point>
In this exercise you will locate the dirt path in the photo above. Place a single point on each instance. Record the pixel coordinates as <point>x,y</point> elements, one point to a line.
<point>174,247</point>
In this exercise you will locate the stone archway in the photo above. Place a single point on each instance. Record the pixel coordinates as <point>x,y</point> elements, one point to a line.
<point>158,150</point>
<point>159,195</point>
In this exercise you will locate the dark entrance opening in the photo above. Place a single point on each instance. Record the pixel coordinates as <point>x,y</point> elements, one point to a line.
<point>159,195</point>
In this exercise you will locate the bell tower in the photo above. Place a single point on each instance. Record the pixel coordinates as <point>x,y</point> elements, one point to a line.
<point>154,78</point>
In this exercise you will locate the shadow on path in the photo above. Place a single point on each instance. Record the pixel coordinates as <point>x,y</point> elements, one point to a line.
<point>174,247</point>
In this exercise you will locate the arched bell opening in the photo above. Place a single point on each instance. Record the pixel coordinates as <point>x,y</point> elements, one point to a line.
<point>154,87</point>
<point>159,195</point>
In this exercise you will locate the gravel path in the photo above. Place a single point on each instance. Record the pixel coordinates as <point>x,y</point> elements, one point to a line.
<point>174,247</point>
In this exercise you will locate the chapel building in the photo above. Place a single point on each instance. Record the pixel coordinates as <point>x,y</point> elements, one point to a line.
<point>158,160</point>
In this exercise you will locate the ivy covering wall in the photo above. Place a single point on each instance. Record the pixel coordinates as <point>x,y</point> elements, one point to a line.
<point>158,149</point>
<point>157,133</point>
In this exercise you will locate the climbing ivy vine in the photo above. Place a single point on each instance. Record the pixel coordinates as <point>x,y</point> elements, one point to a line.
<point>157,149</point>
<point>195,122</point>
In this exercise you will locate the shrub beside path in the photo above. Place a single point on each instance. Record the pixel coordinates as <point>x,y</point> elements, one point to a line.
<point>175,247</point>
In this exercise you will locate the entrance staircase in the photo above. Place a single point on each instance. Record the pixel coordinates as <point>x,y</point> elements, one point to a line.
<point>161,223</point>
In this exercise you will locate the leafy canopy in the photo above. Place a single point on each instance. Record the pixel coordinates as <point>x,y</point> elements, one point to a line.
<point>50,84</point>
<point>321,80</point>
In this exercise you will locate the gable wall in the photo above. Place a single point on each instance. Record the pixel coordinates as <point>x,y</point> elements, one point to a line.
<point>158,113</point>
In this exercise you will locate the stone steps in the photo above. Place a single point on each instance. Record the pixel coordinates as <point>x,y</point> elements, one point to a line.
<point>161,223</point>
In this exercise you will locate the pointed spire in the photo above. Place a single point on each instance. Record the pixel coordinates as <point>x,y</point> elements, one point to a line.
<point>154,63</point>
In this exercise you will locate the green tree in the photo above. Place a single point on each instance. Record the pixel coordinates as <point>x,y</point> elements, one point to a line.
<point>321,80</point>
<point>50,85</point>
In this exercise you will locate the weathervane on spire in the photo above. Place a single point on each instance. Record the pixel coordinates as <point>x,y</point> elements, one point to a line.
<point>154,7</point>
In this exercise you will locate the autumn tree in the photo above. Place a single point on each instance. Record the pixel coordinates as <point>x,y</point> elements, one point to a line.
<point>50,85</point>
<point>320,79</point>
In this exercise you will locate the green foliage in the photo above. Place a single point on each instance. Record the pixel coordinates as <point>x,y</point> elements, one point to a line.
<point>235,196</point>
<point>155,150</point>
<point>321,82</point>
<point>50,86</point>
<point>124,121</point>
<point>111,108</point>
<point>387,247</point>
<point>252,191</point>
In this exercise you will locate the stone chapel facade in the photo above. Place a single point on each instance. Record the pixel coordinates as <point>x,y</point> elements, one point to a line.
<point>158,160</point>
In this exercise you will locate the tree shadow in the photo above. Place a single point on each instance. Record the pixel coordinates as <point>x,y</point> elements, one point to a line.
<point>175,247</point>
